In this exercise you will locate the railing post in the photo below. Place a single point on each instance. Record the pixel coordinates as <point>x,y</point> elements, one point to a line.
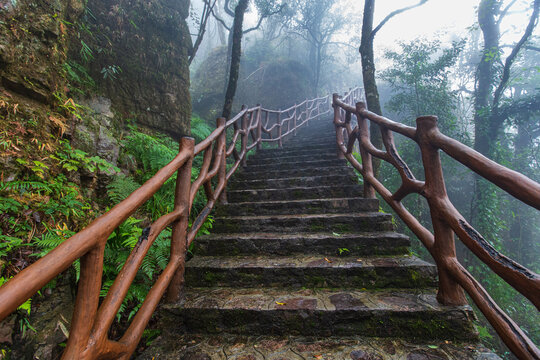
<point>259,129</point>
<point>179,228</point>
<point>444,248</point>
<point>367,162</point>
<point>245,134</point>
<point>280,141</point>
<point>222,172</point>
<point>339,131</point>
<point>86,302</point>
<point>294,120</point>
<point>307,112</point>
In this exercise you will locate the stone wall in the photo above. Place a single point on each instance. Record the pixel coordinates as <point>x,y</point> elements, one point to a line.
<point>148,41</point>
<point>33,45</point>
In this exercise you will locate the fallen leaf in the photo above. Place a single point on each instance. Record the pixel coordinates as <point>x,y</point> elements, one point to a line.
<point>433,346</point>
<point>318,357</point>
<point>359,260</point>
<point>327,260</point>
<point>280,303</point>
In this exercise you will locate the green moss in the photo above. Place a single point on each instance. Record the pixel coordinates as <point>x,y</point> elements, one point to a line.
<point>315,281</point>
<point>342,228</point>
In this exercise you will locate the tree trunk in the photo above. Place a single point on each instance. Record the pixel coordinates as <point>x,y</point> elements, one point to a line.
<point>484,138</point>
<point>485,77</point>
<point>220,28</point>
<point>368,74</point>
<point>522,227</point>
<point>236,53</point>
<point>318,68</point>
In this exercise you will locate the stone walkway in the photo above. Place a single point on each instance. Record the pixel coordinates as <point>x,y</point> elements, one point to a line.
<point>300,266</point>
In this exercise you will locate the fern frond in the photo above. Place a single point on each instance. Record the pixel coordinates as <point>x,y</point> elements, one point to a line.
<point>121,187</point>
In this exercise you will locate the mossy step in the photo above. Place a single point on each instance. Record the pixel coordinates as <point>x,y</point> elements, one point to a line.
<point>188,346</point>
<point>305,181</point>
<point>368,243</point>
<point>258,160</point>
<point>320,145</point>
<point>306,206</point>
<point>283,152</point>
<point>290,173</point>
<point>293,223</point>
<point>295,193</point>
<point>310,271</point>
<point>412,314</point>
<point>295,164</point>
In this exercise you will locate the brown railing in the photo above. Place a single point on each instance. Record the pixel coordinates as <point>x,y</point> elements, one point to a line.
<point>446,220</point>
<point>92,318</point>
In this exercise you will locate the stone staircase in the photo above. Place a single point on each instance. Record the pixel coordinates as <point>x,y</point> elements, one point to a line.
<point>300,266</point>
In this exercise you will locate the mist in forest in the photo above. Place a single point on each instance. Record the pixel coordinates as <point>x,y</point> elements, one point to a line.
<point>430,58</point>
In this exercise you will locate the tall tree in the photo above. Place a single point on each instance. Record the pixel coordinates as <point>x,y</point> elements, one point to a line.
<point>205,15</point>
<point>490,83</point>
<point>265,8</point>
<point>236,53</point>
<point>315,23</point>
<point>490,112</point>
<point>368,65</point>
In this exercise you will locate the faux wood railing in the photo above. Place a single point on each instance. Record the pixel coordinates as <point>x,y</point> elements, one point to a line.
<point>446,220</point>
<point>92,318</point>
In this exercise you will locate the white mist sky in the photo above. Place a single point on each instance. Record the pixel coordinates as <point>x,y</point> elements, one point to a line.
<point>445,20</point>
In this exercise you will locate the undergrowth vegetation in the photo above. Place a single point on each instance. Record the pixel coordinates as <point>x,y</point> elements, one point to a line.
<point>43,202</point>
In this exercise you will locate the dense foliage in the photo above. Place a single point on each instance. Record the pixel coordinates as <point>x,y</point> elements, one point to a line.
<point>420,78</point>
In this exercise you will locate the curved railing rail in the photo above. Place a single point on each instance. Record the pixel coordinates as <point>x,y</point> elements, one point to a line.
<point>92,319</point>
<point>446,220</point>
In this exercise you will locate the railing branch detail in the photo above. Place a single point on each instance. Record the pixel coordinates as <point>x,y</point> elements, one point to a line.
<point>445,218</point>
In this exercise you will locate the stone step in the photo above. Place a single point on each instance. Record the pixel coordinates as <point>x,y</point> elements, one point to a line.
<point>292,173</point>
<point>188,346</point>
<point>338,223</point>
<point>320,145</point>
<point>314,137</point>
<point>258,160</point>
<point>307,206</point>
<point>360,244</point>
<point>284,152</point>
<point>304,181</point>
<point>311,271</point>
<point>295,165</point>
<point>295,193</point>
<point>412,314</point>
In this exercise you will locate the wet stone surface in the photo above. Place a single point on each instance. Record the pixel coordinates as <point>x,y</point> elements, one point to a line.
<point>299,266</point>
<point>221,347</point>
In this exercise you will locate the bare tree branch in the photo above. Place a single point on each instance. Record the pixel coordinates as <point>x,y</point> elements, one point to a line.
<point>511,58</point>
<point>227,9</point>
<point>220,20</point>
<point>207,11</point>
<point>526,47</point>
<point>262,17</point>
<point>504,12</point>
<point>394,13</point>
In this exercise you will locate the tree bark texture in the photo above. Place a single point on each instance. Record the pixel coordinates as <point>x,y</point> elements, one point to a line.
<point>368,75</point>
<point>236,53</point>
<point>484,132</point>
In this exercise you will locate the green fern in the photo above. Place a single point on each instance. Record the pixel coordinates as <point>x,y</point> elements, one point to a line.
<point>199,129</point>
<point>26,186</point>
<point>121,187</point>
<point>51,239</point>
